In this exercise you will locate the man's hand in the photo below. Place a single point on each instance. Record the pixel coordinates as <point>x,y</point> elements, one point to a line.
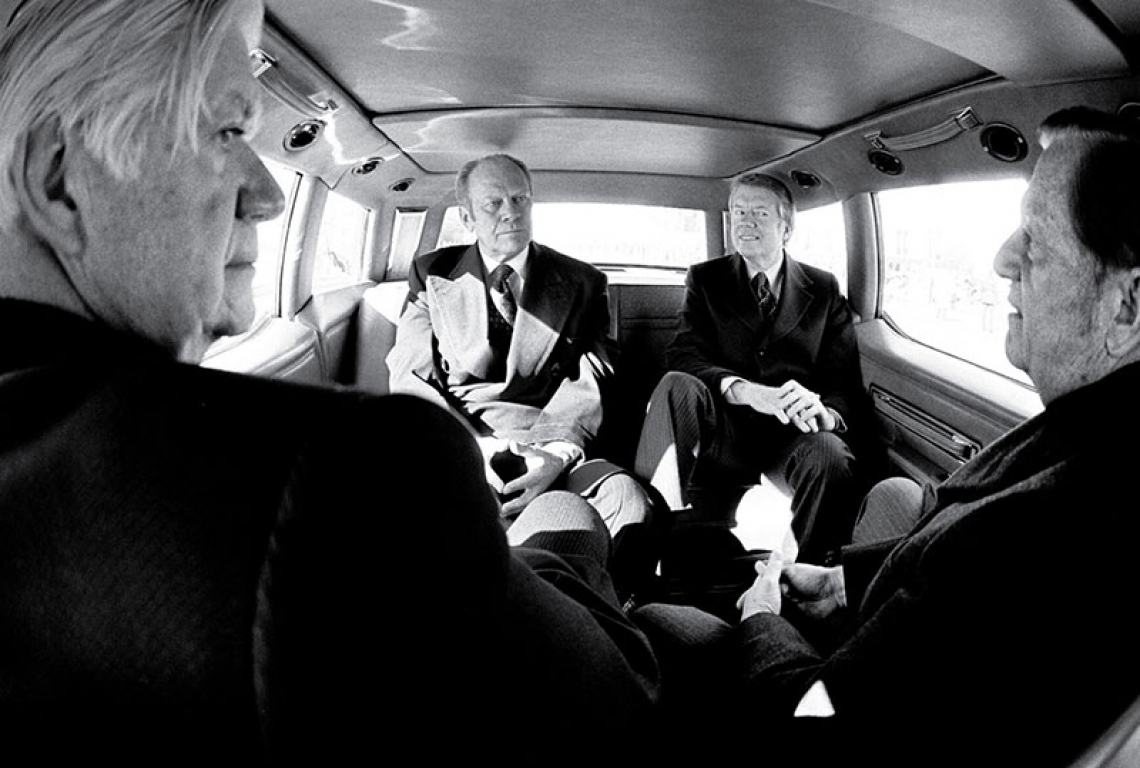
<point>764,594</point>
<point>817,591</point>
<point>491,446</point>
<point>803,408</point>
<point>758,397</point>
<point>542,469</point>
<point>791,403</point>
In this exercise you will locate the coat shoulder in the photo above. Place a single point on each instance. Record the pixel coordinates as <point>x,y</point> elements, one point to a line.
<point>441,261</point>
<point>819,276</point>
<point>573,268</point>
<point>717,269</point>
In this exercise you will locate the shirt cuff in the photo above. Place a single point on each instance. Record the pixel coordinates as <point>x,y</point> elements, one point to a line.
<point>569,453</point>
<point>726,384</point>
<point>840,424</point>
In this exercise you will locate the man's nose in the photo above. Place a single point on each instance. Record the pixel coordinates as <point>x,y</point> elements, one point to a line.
<point>260,198</point>
<point>510,211</point>
<point>1009,255</point>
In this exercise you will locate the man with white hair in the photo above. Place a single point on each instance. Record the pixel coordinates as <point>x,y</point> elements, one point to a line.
<point>184,573</point>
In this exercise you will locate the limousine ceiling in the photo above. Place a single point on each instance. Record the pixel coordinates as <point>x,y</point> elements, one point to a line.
<point>689,87</point>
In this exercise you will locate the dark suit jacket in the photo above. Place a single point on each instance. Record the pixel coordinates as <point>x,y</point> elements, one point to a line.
<point>561,349</point>
<point>196,565</point>
<point>811,340</point>
<point>1001,630</point>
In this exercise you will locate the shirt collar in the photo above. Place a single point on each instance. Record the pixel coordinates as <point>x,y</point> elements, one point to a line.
<point>518,263</point>
<point>774,273</point>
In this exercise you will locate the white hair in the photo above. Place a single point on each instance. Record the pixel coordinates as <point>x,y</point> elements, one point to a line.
<point>113,71</point>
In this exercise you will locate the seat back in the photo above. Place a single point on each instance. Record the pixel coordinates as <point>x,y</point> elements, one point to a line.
<point>378,316</point>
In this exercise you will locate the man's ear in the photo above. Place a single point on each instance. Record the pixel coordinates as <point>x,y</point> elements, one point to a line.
<point>467,219</point>
<point>43,194</point>
<point>1124,331</point>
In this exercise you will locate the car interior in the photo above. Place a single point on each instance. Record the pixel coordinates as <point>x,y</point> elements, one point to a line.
<point>634,118</point>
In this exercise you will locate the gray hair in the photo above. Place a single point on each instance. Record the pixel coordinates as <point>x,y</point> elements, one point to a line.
<point>1104,201</point>
<point>463,178</point>
<point>786,203</point>
<point>113,71</point>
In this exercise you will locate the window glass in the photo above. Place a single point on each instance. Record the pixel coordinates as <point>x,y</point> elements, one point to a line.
<point>819,239</point>
<point>340,244</point>
<point>406,231</point>
<point>940,287</point>
<point>452,231</point>
<point>267,274</point>
<point>606,233</point>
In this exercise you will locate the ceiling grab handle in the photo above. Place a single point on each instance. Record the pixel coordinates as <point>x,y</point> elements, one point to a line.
<point>959,122</point>
<point>316,106</point>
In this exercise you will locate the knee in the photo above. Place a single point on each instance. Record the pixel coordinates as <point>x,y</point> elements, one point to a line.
<point>620,500</point>
<point>678,386</point>
<point>678,380</point>
<point>890,509</point>
<point>554,511</point>
<point>826,456</point>
<point>896,491</point>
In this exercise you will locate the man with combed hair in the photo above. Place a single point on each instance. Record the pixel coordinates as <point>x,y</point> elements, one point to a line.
<point>185,574</point>
<point>764,379</point>
<point>529,375</point>
<point>984,635</point>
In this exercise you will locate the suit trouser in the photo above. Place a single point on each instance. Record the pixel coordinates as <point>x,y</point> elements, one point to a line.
<point>693,446</point>
<point>622,506</point>
<point>692,646</point>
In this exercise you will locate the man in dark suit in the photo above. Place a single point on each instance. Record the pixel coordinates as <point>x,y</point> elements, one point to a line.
<point>984,635</point>
<point>764,379</point>
<point>198,566</point>
<point>524,360</point>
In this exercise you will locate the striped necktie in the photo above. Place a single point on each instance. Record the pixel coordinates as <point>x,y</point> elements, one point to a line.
<point>765,299</point>
<point>501,293</point>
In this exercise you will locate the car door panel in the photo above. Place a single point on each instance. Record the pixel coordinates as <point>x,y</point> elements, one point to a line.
<point>935,411</point>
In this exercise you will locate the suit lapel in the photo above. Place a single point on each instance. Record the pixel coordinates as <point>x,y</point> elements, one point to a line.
<point>739,296</point>
<point>460,300</point>
<point>544,308</point>
<point>797,296</point>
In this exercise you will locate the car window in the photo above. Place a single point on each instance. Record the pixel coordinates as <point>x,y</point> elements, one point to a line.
<point>340,244</point>
<point>267,274</point>
<point>407,227</point>
<point>818,238</point>
<point>608,233</point>
<point>940,287</point>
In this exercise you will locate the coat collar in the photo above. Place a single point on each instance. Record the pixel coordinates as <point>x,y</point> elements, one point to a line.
<point>796,297</point>
<point>461,319</point>
<point>40,334</point>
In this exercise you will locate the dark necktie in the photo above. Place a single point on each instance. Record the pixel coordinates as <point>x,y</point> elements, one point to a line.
<point>501,292</point>
<point>765,299</point>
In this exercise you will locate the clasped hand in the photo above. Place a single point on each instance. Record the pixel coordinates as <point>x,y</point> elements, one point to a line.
<point>791,403</point>
<point>817,591</point>
<point>542,468</point>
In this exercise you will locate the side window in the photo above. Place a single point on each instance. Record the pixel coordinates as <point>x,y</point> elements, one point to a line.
<point>340,244</point>
<point>940,287</point>
<point>452,231</point>
<point>606,233</point>
<point>641,235</point>
<point>267,273</point>
<point>819,239</point>
<point>406,231</point>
